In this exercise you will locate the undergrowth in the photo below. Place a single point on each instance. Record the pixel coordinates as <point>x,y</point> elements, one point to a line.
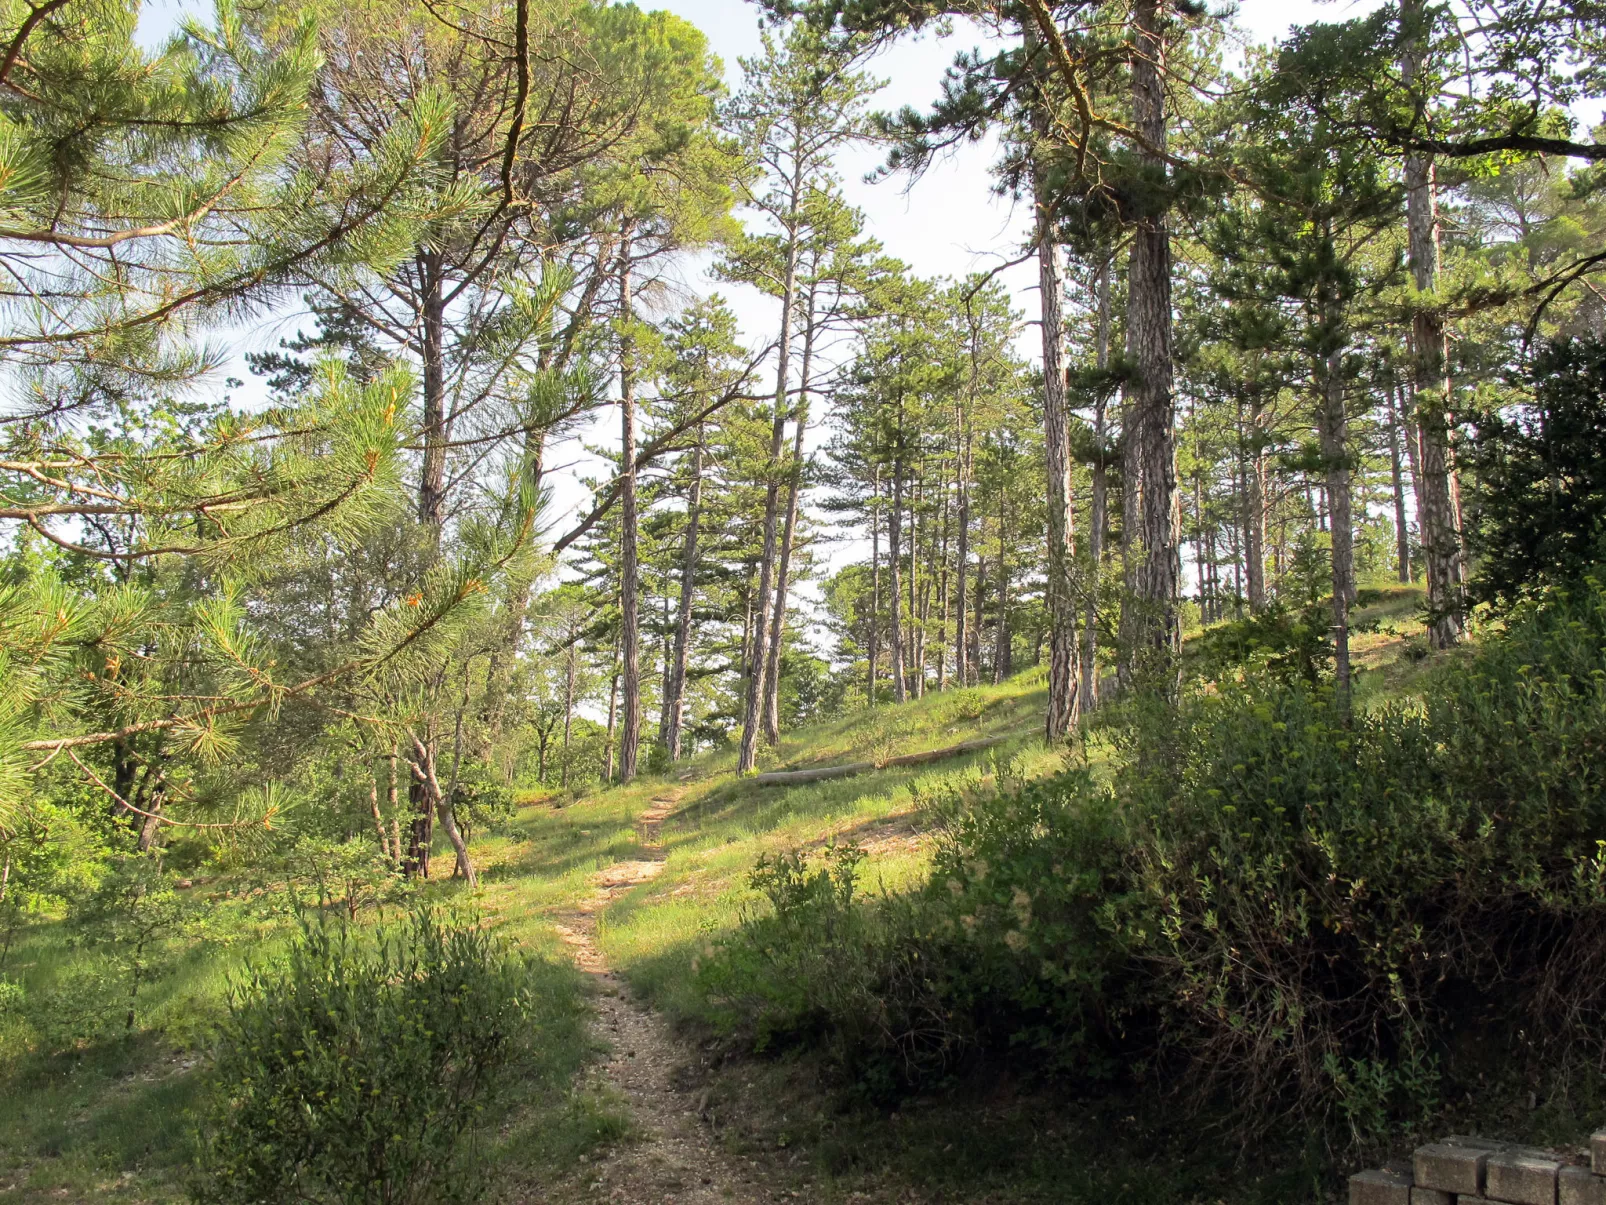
<point>1270,907</point>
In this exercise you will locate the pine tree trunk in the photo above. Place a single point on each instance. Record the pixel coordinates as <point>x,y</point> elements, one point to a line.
<point>1063,700</point>
<point>1254,516</point>
<point>424,770</point>
<point>1098,514</point>
<point>875,583</point>
<point>1149,330</point>
<point>1334,437</point>
<point>629,569</point>
<point>613,714</point>
<point>963,664</point>
<point>432,477</point>
<point>395,812</point>
<point>942,594</point>
<point>794,488</point>
<point>981,614</point>
<point>1436,511</point>
<point>421,833</point>
<point>758,660</point>
<point>1003,649</point>
<point>568,703</point>
<point>895,579</point>
<point>1128,629</point>
<point>674,697</point>
<point>912,654</point>
<point>1402,532</point>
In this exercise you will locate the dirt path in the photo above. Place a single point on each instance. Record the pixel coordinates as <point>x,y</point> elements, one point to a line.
<point>677,1160</point>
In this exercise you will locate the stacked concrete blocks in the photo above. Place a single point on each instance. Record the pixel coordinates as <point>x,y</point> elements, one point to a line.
<point>1476,1171</point>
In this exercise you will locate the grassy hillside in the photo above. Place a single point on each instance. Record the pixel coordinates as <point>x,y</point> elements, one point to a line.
<point>106,1120</point>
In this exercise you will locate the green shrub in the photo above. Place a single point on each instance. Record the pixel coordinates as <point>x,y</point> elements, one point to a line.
<point>1273,906</point>
<point>363,1071</point>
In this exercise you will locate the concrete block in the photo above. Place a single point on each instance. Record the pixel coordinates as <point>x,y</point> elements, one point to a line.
<point>1433,1196</point>
<point>1452,1166</point>
<point>1380,1188</point>
<point>1578,1186</point>
<point>1521,1177</point>
<point>1597,1152</point>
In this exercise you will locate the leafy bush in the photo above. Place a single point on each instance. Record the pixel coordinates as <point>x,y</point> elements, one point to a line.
<point>1285,908</point>
<point>363,1071</point>
<point>1003,947</point>
<point>818,968</point>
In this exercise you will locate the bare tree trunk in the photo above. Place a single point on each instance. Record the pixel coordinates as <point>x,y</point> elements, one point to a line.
<point>1002,647</point>
<point>963,663</point>
<point>912,654</point>
<point>568,701</point>
<point>629,569</point>
<point>758,661</point>
<point>794,487</point>
<point>1098,515</point>
<point>875,581</point>
<point>1402,532</point>
<point>1436,511</point>
<point>613,704</point>
<point>895,570</point>
<point>422,832</point>
<point>942,595</point>
<point>981,613</point>
<point>1254,508</point>
<point>675,696</point>
<point>1063,700</point>
<point>1150,336</point>
<point>424,771</point>
<point>379,819</point>
<point>432,477</point>
<point>1334,436</point>
<point>395,812</point>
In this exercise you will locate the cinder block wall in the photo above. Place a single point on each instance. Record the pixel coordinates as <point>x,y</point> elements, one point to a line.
<point>1469,1171</point>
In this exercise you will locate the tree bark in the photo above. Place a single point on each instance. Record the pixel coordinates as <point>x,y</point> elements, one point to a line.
<point>1254,516</point>
<point>675,696</point>
<point>1098,514</point>
<point>875,581</point>
<point>1003,649</point>
<point>794,487</point>
<point>1063,700</point>
<point>895,577</point>
<point>1150,335</point>
<point>758,660</point>
<point>424,771</point>
<point>963,664</point>
<point>568,702</point>
<point>1437,519</point>
<point>613,703</point>
<point>1402,532</point>
<point>981,613</point>
<point>1333,433</point>
<point>432,477</point>
<point>629,569</point>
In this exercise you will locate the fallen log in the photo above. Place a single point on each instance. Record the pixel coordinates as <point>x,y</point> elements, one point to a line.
<point>788,778</point>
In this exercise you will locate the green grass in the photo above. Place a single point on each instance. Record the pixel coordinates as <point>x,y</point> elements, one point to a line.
<point>110,1119</point>
<point>110,1115</point>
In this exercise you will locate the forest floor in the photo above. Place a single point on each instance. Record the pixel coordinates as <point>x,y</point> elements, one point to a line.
<point>638,881</point>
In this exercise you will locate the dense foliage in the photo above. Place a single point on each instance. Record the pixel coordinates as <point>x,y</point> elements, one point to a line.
<point>1270,906</point>
<point>368,1068</point>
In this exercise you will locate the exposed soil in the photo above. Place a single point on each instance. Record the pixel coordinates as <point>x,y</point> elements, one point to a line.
<point>677,1159</point>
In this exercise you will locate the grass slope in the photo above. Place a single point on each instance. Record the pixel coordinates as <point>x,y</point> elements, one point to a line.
<point>109,1119</point>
